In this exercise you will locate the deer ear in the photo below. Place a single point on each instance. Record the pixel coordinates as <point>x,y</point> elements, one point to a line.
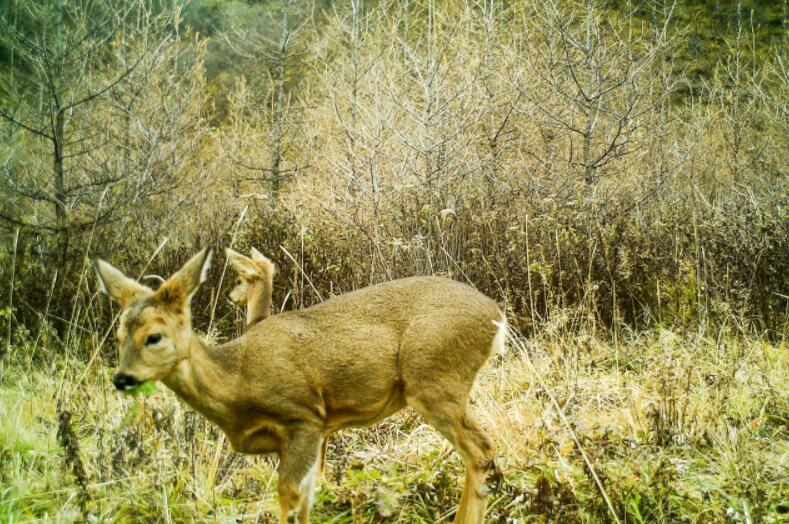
<point>244,266</point>
<point>264,263</point>
<point>178,289</point>
<point>116,285</point>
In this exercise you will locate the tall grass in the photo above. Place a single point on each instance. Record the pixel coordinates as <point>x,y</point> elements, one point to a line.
<point>676,428</point>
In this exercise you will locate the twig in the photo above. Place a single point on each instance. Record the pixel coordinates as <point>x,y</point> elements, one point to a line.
<point>309,281</point>
<point>11,294</point>
<point>451,259</point>
<point>224,267</point>
<point>84,270</point>
<point>45,315</point>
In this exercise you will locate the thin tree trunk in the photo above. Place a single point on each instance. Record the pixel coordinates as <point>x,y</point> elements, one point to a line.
<point>278,115</point>
<point>61,213</point>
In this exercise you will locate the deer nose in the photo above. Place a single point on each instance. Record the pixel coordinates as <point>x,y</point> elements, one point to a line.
<point>123,381</point>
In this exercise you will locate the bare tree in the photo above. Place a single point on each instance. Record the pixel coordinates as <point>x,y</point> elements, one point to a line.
<point>70,57</point>
<point>502,102</point>
<point>354,120</point>
<point>272,50</point>
<point>435,93</point>
<point>594,81</point>
<point>345,77</point>
<point>162,124</point>
<point>737,92</point>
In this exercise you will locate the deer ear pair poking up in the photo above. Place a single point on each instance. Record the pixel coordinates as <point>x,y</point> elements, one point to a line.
<point>252,267</point>
<point>176,290</point>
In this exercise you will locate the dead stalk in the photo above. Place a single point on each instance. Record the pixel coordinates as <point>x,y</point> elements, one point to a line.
<point>224,267</point>
<point>11,294</point>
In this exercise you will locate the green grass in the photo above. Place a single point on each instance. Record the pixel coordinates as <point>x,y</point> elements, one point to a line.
<point>678,429</point>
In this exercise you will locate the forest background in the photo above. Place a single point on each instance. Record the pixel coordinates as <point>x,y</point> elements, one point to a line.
<point>613,173</point>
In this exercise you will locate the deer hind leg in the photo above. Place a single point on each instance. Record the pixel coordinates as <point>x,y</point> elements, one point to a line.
<point>453,421</point>
<point>298,467</point>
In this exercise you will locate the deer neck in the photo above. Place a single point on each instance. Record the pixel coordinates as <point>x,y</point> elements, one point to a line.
<point>202,378</point>
<point>260,306</point>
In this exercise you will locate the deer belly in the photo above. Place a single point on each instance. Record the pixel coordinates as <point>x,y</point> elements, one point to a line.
<point>255,442</point>
<point>364,411</point>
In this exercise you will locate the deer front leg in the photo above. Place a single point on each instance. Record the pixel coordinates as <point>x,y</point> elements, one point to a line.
<point>298,467</point>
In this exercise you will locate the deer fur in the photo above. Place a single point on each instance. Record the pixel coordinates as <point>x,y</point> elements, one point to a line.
<point>296,377</point>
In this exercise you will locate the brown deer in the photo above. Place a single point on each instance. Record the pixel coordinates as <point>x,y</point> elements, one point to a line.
<point>296,377</point>
<point>254,286</point>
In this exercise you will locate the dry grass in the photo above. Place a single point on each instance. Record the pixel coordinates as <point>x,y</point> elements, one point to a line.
<point>679,428</point>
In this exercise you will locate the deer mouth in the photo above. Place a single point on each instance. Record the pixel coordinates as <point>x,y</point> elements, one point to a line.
<point>124,382</point>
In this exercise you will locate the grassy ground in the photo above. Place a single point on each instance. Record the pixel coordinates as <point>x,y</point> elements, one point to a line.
<point>677,429</point>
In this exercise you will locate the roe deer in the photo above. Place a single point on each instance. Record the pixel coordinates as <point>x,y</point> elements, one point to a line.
<point>254,286</point>
<point>296,377</point>
<point>253,291</point>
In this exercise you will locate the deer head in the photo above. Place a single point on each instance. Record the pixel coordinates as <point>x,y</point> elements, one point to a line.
<point>155,327</point>
<point>254,285</point>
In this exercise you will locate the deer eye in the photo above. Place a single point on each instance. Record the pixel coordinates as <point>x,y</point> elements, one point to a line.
<point>153,339</point>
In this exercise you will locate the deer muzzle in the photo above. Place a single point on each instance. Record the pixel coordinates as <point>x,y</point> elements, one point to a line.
<point>123,381</point>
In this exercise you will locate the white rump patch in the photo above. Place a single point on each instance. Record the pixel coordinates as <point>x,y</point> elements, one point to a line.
<point>498,346</point>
